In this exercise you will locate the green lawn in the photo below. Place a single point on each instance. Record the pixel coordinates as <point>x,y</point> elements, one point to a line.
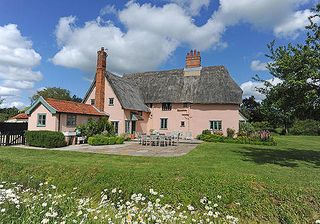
<point>271,183</point>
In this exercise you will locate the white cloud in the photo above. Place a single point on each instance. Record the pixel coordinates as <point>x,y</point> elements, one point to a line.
<point>192,6</point>
<point>250,88</point>
<point>257,65</point>
<point>151,33</point>
<point>6,91</point>
<point>291,26</point>
<point>108,9</point>
<point>17,60</point>
<point>12,102</point>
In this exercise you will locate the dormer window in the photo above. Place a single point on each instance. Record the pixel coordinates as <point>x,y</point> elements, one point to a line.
<point>166,106</point>
<point>92,102</point>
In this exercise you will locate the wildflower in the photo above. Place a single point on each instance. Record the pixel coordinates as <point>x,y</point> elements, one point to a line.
<point>44,204</point>
<point>44,221</point>
<point>3,210</point>
<point>1,186</point>
<point>153,192</point>
<point>317,221</point>
<point>114,190</point>
<point>190,208</point>
<point>219,196</point>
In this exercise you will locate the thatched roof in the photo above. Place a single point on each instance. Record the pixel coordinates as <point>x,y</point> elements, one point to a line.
<point>213,86</point>
<point>129,95</point>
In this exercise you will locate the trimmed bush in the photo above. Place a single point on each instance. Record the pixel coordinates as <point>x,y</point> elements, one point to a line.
<point>306,127</point>
<point>45,139</point>
<point>254,140</point>
<point>104,140</point>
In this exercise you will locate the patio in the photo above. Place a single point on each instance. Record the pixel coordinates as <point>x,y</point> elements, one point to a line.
<point>132,148</point>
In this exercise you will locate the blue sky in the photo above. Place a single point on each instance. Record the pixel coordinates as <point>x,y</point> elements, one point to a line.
<point>53,43</point>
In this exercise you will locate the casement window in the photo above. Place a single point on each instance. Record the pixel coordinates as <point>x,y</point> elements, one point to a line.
<point>115,126</point>
<point>182,124</point>
<point>185,105</point>
<point>166,106</point>
<point>71,120</point>
<point>127,127</point>
<point>111,101</point>
<point>150,105</point>
<point>163,123</point>
<point>41,122</point>
<point>216,125</point>
<point>92,102</point>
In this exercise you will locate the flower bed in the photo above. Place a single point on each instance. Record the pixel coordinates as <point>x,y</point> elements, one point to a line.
<point>105,140</point>
<point>46,205</point>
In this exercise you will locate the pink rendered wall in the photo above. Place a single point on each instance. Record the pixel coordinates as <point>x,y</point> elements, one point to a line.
<point>51,119</point>
<point>197,117</point>
<point>116,111</point>
<point>175,116</point>
<point>80,119</point>
<point>201,114</point>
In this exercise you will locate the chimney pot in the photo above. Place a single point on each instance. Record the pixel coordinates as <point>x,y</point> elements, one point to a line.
<point>193,59</point>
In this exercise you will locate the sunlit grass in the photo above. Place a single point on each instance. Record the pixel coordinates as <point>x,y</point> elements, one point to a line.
<point>272,183</point>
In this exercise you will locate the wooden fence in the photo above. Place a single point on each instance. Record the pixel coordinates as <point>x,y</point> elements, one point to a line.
<point>12,133</point>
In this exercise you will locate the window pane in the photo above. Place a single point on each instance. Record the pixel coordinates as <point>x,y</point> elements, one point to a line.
<point>41,119</point>
<point>166,106</point>
<point>110,101</point>
<point>127,127</point>
<point>163,123</point>
<point>71,120</point>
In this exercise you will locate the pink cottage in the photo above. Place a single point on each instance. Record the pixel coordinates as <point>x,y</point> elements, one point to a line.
<point>185,100</point>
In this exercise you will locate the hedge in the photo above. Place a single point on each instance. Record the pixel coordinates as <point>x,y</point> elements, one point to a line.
<point>45,139</point>
<point>238,140</point>
<point>306,127</point>
<point>104,140</point>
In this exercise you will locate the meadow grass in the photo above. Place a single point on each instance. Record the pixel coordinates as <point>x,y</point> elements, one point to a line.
<point>257,183</point>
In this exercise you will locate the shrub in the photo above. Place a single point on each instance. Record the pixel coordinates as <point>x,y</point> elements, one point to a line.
<point>230,132</point>
<point>94,127</point>
<point>255,139</point>
<point>126,137</point>
<point>104,140</point>
<point>263,125</point>
<point>245,129</point>
<point>206,132</point>
<point>306,127</point>
<point>45,139</point>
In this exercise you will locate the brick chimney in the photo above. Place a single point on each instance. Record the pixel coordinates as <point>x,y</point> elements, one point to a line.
<point>100,79</point>
<point>193,59</point>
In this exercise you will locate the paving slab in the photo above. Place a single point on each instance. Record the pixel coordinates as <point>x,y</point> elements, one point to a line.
<point>128,148</point>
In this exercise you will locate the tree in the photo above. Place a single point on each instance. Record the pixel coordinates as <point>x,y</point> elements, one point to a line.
<point>6,113</point>
<point>298,68</point>
<point>56,93</point>
<point>250,108</point>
